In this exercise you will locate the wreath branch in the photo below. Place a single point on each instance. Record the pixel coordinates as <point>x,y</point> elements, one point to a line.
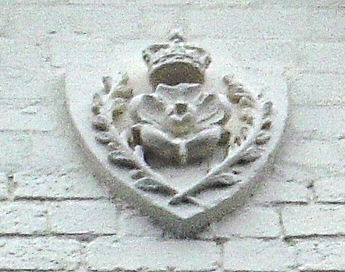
<point>121,153</point>
<point>218,176</point>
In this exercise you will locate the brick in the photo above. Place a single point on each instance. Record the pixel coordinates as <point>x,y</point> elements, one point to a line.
<point>265,23</point>
<point>312,153</point>
<point>131,223</point>
<point>22,53</point>
<point>285,184</point>
<point>39,254</point>
<point>317,89</point>
<point>209,4</point>
<point>68,181</point>
<point>296,3</point>
<point>322,57</point>
<point>177,3</point>
<point>47,150</point>
<point>324,123</point>
<point>57,149</point>
<point>258,255</point>
<point>93,52</point>
<point>293,173</point>
<point>26,115</point>
<point>4,19</point>
<point>15,83</point>
<point>250,222</point>
<point>319,29</point>
<point>78,217</point>
<point>3,186</point>
<point>321,254</point>
<point>13,157</point>
<point>70,49</point>
<point>330,189</point>
<point>275,192</point>
<point>109,253</point>
<point>129,21</point>
<point>269,54</point>
<point>33,2</point>
<point>23,218</point>
<point>314,220</point>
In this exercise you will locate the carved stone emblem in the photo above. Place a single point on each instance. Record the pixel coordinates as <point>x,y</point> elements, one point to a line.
<point>178,145</point>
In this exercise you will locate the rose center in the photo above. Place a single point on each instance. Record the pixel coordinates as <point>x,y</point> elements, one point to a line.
<point>181,108</point>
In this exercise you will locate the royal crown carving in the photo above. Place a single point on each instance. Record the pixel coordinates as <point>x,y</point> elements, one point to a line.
<point>183,150</point>
<point>175,62</point>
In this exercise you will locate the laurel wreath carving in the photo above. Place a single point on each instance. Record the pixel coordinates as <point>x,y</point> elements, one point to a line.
<point>106,106</point>
<point>112,101</point>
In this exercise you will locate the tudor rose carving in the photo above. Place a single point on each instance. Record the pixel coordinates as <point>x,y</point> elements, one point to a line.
<point>180,123</point>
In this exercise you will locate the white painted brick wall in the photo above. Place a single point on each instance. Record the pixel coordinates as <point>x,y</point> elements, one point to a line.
<point>3,186</point>
<point>258,255</point>
<point>27,217</point>
<point>109,253</point>
<point>55,215</point>
<point>320,254</point>
<point>68,182</point>
<point>39,254</point>
<point>314,220</point>
<point>75,217</point>
<point>250,222</point>
<point>330,190</point>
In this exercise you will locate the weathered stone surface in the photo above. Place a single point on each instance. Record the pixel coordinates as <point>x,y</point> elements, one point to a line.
<point>78,217</point>
<point>13,157</point>
<point>108,253</point>
<point>3,186</point>
<point>250,222</point>
<point>308,153</point>
<point>314,220</point>
<point>70,181</point>
<point>97,21</point>
<point>55,151</point>
<point>275,191</point>
<point>81,50</point>
<point>26,116</point>
<point>16,81</point>
<point>131,223</point>
<point>330,189</point>
<point>256,255</point>
<point>266,24</point>
<point>322,57</point>
<point>39,254</point>
<point>314,122</point>
<point>22,53</point>
<point>317,89</point>
<point>320,254</point>
<point>286,184</point>
<point>23,218</point>
<point>277,4</point>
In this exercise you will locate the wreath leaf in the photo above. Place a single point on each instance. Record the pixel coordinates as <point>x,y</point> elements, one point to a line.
<point>120,159</point>
<point>100,122</point>
<point>103,137</point>
<point>150,185</point>
<point>251,155</point>
<point>262,138</point>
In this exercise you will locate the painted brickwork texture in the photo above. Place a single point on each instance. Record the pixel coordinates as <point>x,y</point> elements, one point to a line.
<point>54,214</point>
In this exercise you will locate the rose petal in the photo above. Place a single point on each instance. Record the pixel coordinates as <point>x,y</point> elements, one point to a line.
<point>147,108</point>
<point>183,92</point>
<point>210,111</point>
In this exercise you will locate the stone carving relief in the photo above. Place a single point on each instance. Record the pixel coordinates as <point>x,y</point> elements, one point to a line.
<point>180,151</point>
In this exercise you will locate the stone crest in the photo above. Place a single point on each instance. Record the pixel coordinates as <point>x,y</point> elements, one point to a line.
<point>181,149</point>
